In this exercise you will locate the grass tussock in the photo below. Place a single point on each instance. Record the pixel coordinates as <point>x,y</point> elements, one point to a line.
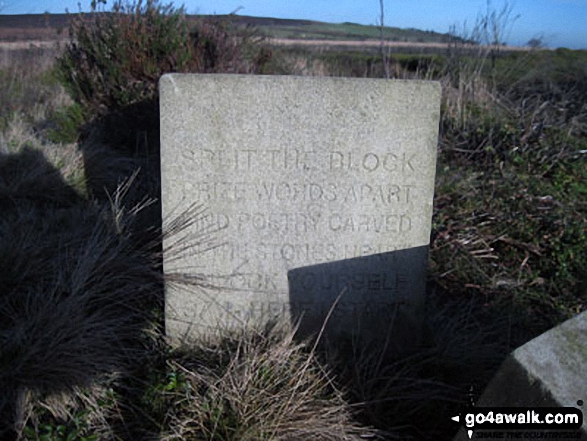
<point>76,298</point>
<point>256,385</point>
<point>243,386</point>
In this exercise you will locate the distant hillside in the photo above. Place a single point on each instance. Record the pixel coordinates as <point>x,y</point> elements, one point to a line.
<point>316,30</point>
<point>33,21</point>
<point>52,26</point>
<point>33,27</point>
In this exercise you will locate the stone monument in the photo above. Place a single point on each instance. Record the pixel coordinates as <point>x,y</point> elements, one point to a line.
<point>318,192</point>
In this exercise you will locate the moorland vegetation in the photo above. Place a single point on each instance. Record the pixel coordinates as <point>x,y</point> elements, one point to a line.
<point>83,354</point>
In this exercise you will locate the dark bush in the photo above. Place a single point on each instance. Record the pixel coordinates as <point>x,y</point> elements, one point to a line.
<point>77,290</point>
<point>114,60</point>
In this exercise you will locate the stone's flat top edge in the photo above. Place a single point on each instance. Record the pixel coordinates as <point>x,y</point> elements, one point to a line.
<point>170,78</point>
<point>561,346</point>
<point>578,323</point>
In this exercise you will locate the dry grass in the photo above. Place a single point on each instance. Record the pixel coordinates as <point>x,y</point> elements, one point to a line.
<point>66,159</point>
<point>76,297</point>
<point>29,98</point>
<point>26,82</point>
<point>257,385</point>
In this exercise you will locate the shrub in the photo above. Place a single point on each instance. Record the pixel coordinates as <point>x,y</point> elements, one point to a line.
<point>65,123</point>
<point>114,60</point>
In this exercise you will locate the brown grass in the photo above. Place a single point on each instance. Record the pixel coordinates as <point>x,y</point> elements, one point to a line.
<point>257,386</point>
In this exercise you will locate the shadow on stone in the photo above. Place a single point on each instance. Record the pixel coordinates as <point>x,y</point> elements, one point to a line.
<point>379,297</point>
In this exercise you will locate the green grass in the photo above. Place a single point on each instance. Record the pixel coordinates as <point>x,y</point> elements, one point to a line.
<point>514,238</point>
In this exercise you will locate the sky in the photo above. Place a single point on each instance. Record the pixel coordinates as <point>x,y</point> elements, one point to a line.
<point>559,23</point>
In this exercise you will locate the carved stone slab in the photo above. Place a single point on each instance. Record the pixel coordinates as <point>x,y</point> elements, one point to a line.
<point>296,172</point>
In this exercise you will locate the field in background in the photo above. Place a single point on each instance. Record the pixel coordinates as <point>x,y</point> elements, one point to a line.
<point>507,260</point>
<point>50,30</point>
<point>315,30</point>
<point>52,26</point>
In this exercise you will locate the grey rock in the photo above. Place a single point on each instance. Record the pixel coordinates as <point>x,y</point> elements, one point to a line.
<point>303,179</point>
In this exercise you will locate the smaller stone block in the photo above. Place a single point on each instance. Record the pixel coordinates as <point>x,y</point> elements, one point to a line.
<point>549,371</point>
